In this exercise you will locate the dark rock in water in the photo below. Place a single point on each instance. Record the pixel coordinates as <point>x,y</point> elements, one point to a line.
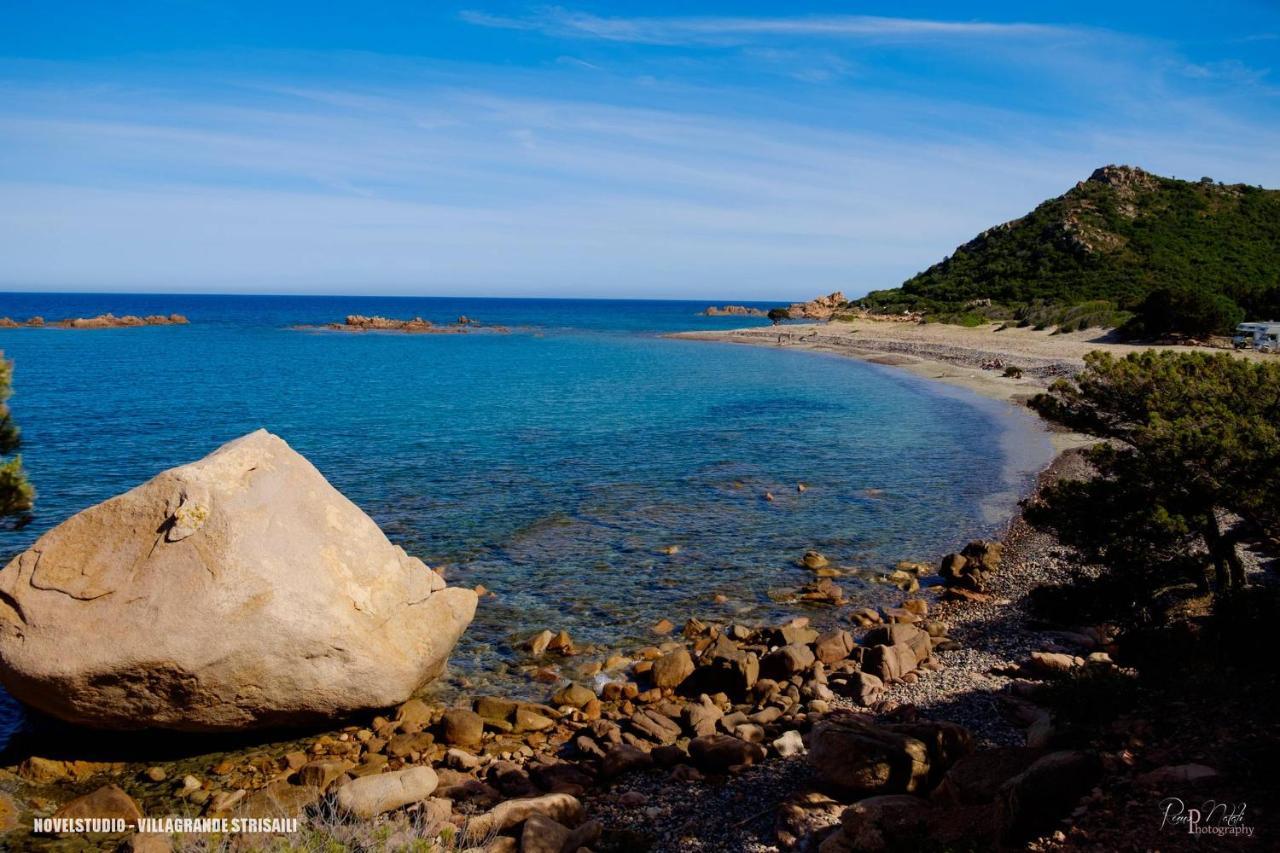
<point>733,311</point>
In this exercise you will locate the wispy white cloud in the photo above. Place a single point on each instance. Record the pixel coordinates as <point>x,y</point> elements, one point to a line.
<point>806,158</point>
<point>563,22</point>
<point>428,188</point>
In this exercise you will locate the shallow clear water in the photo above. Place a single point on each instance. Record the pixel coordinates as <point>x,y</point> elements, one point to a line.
<point>550,464</point>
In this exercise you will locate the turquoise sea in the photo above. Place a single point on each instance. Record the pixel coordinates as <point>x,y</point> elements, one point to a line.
<point>552,464</point>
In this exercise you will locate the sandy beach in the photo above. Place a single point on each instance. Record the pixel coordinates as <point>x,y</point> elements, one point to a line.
<point>971,358</point>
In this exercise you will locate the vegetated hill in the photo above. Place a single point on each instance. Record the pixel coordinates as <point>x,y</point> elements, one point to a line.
<point>1123,241</point>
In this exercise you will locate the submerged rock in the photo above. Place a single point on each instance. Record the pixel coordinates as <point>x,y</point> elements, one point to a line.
<point>241,590</point>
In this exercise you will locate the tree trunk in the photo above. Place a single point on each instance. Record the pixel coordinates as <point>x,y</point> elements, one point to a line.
<point>1234,563</point>
<point>1213,542</point>
<point>1228,568</point>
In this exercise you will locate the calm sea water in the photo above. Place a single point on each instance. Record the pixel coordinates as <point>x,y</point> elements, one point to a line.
<point>551,464</point>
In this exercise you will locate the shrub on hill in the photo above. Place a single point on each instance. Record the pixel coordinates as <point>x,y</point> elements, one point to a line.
<point>1190,437</point>
<point>1117,238</point>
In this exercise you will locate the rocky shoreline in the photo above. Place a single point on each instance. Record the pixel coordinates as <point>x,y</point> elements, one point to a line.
<point>744,722</point>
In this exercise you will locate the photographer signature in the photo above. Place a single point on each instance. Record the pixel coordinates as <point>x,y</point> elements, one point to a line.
<point>1210,818</point>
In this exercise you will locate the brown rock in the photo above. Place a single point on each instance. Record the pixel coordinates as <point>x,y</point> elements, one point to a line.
<point>670,670</point>
<point>623,759</point>
<point>370,796</point>
<point>833,646</point>
<point>862,687</point>
<point>460,727</point>
<point>10,812</point>
<point>529,720</point>
<point>1032,802</point>
<point>414,713</point>
<point>865,759</point>
<point>974,779</point>
<point>541,834</point>
<point>322,773</point>
<point>573,695</point>
<point>304,609</point>
<point>562,808</point>
<point>43,771</point>
<point>495,707</point>
<point>147,842</point>
<point>889,662</point>
<point>785,662</point>
<point>109,801</point>
<point>717,753</point>
<point>402,746</point>
<point>655,726</point>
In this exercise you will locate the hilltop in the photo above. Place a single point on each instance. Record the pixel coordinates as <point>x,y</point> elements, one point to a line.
<point>1124,240</point>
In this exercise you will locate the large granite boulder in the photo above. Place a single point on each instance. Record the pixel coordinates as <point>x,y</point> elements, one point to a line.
<point>241,590</point>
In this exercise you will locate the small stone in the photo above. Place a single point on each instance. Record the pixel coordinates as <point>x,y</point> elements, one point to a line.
<point>321,774</point>
<point>528,720</point>
<point>156,774</point>
<point>791,743</point>
<point>460,759</point>
<point>539,642</point>
<point>460,727</point>
<point>573,695</point>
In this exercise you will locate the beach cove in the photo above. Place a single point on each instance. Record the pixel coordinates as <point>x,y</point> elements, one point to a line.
<point>614,724</point>
<point>557,500</point>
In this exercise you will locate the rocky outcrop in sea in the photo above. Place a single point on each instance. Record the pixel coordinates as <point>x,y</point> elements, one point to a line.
<point>101,321</point>
<point>733,311</point>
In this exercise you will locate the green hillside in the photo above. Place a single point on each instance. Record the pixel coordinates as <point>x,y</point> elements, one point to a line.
<point>1180,252</point>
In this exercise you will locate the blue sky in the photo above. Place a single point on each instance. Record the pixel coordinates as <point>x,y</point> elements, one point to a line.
<point>699,150</point>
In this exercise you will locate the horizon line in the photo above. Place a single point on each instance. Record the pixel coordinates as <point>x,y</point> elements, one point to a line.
<point>699,299</point>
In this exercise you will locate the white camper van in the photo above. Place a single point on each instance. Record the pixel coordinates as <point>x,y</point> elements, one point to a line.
<point>1264,337</point>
